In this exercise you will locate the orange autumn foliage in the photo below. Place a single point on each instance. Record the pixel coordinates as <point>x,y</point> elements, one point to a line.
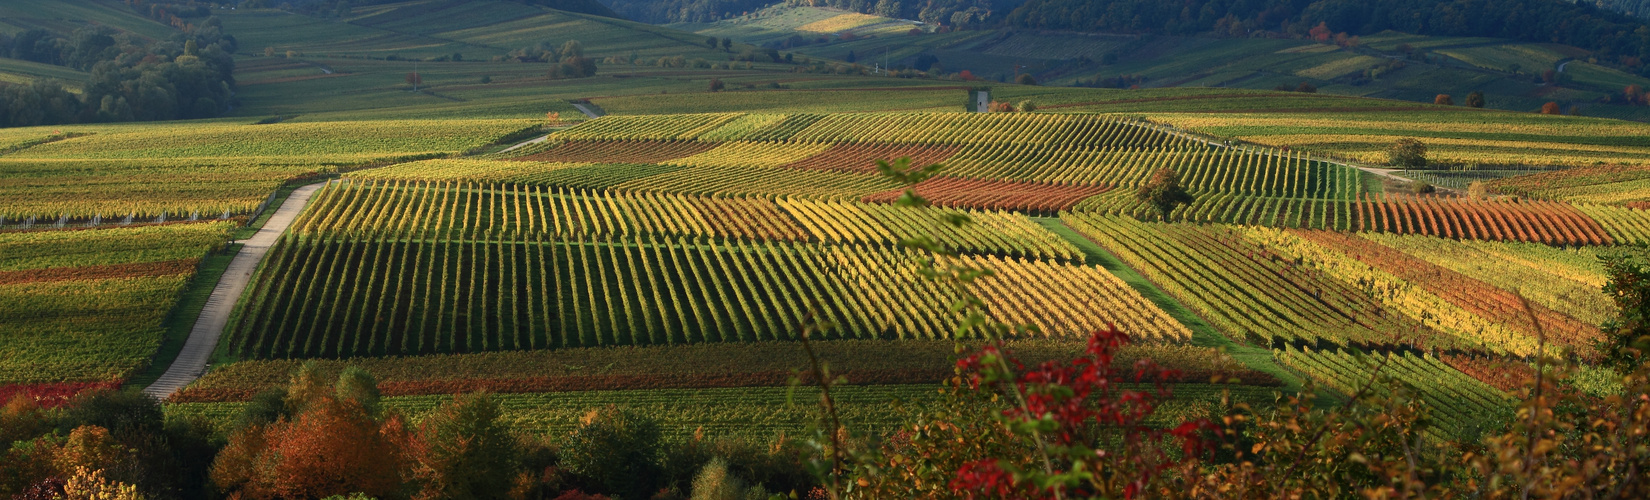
<point>333,447</point>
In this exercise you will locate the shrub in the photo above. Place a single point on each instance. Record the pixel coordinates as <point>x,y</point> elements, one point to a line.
<point>715,483</point>
<point>616,451</point>
<point>1421,187</point>
<point>1475,99</point>
<point>1407,153</point>
<point>1025,79</point>
<point>1027,106</point>
<point>1444,100</point>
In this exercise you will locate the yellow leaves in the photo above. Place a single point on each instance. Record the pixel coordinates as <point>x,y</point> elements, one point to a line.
<point>753,154</point>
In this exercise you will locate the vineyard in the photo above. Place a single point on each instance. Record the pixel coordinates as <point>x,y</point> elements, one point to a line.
<point>86,306</point>
<point>662,262</point>
<point>464,268</point>
<point>1462,407</point>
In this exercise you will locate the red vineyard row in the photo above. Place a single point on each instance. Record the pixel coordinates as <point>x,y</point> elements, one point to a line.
<point>579,383</point>
<point>1527,220</point>
<point>109,271</point>
<point>1477,297</point>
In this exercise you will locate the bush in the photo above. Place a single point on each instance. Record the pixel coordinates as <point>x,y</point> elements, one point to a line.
<point>715,483</point>
<point>1027,106</point>
<point>615,451</point>
<point>1421,187</point>
<point>1025,79</point>
<point>1477,190</point>
<point>1444,100</point>
<point>1407,153</point>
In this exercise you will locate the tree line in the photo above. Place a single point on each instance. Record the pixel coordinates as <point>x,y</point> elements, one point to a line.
<point>189,75</point>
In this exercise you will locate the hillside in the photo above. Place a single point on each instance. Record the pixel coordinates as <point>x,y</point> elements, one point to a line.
<point>331,249</point>
<point>1513,75</point>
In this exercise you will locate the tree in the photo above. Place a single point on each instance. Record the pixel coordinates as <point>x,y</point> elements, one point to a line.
<point>464,451</point>
<point>574,49</point>
<point>1025,79</point>
<point>1321,32</point>
<point>1551,108</point>
<point>1407,153</point>
<point>616,451</point>
<point>1444,100</point>
<point>1475,99</point>
<point>269,51</point>
<point>727,45</point>
<point>712,42</point>
<point>716,85</point>
<point>1026,107</point>
<point>332,445</point>
<point>1634,94</point>
<point>1627,336</point>
<point>414,79</point>
<point>1164,192</point>
<point>1306,87</point>
<point>1421,187</point>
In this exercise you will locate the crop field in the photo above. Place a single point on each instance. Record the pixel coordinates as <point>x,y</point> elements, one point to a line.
<point>86,306</point>
<point>522,268</point>
<point>1525,220</point>
<point>1311,286</point>
<point>1463,407</point>
<point>1479,137</point>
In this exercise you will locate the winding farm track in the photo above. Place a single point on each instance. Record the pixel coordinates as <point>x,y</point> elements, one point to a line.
<point>203,338</point>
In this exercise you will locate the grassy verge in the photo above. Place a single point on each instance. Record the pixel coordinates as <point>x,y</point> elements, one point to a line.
<point>281,195</point>
<point>181,320</point>
<point>1257,358</point>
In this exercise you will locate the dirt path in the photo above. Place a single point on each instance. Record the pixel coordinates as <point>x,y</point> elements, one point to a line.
<point>203,338</point>
<point>526,143</point>
<point>587,110</point>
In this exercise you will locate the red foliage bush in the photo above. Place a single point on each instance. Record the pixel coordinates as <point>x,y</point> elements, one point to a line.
<point>54,394</point>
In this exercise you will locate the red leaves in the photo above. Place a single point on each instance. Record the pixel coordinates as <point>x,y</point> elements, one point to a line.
<point>54,394</point>
<point>1059,408</point>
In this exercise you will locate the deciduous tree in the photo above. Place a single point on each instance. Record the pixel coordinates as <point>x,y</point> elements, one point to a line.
<point>1407,153</point>
<point>1164,191</point>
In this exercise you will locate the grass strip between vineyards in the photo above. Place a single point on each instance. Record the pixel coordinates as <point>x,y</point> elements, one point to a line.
<point>183,315</point>
<point>1204,335</point>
